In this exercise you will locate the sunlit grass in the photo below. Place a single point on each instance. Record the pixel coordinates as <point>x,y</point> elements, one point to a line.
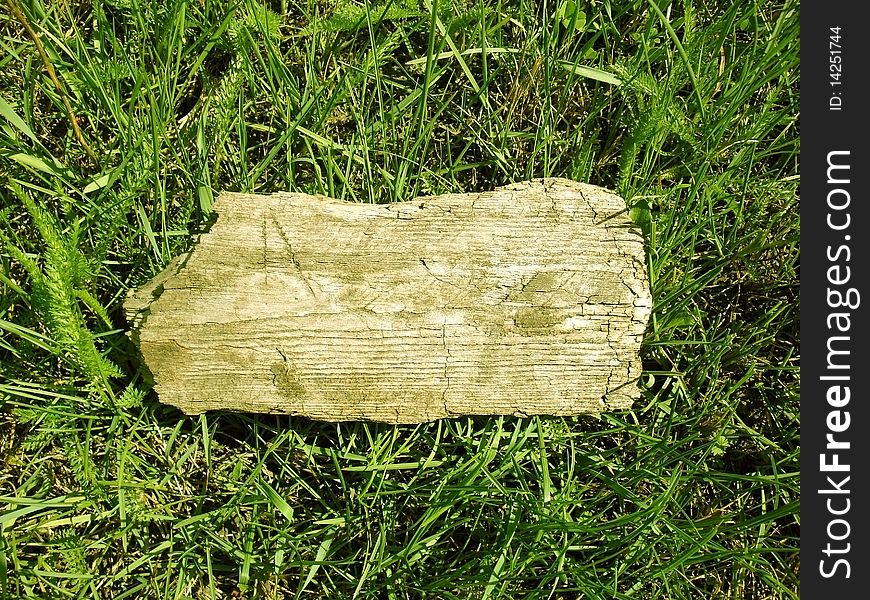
<point>687,110</point>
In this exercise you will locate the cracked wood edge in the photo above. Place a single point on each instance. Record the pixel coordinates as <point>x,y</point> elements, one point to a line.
<point>531,299</point>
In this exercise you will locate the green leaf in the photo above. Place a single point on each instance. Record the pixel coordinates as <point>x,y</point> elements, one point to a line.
<point>277,500</point>
<point>131,397</point>
<point>98,183</point>
<point>94,304</point>
<point>34,162</point>
<point>206,200</point>
<point>9,113</point>
<point>16,121</point>
<point>572,19</point>
<point>679,319</point>
<point>592,73</point>
<point>640,213</point>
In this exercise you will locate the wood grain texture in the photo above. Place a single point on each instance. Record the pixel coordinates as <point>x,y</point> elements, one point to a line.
<point>531,299</point>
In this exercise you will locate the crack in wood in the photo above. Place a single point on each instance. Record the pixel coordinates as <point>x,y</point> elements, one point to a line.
<point>293,259</point>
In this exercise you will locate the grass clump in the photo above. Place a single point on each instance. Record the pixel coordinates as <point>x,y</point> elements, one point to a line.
<point>688,110</point>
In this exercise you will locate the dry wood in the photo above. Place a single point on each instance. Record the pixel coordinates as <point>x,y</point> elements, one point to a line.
<point>531,299</point>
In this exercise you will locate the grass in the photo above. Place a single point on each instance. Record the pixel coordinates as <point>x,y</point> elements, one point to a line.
<point>689,110</point>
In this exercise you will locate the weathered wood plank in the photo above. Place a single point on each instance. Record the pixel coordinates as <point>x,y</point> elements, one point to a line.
<point>531,299</point>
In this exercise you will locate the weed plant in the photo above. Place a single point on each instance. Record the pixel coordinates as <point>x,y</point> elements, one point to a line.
<point>110,161</point>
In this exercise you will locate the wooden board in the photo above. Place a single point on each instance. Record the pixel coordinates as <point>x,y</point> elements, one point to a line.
<point>531,299</point>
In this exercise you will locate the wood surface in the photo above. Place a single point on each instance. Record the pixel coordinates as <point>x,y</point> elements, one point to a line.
<point>530,299</point>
